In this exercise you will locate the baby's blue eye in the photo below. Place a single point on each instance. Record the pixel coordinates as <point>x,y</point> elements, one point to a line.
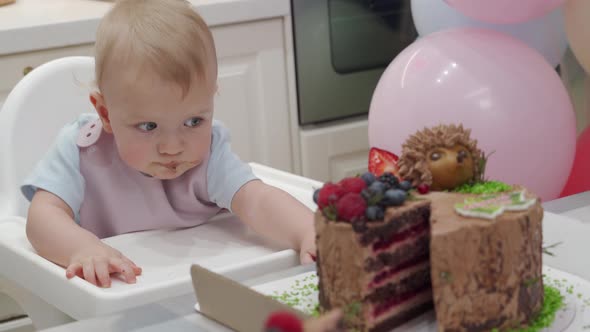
<point>193,122</point>
<point>147,126</point>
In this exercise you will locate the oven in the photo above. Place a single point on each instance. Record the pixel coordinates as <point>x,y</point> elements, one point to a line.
<point>341,49</point>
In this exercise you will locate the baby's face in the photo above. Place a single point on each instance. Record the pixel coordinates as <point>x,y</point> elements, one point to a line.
<point>157,130</point>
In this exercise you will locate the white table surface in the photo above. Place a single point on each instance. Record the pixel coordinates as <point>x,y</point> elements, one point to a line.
<point>178,315</point>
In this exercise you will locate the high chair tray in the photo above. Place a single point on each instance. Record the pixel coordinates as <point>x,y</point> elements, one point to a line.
<point>224,244</point>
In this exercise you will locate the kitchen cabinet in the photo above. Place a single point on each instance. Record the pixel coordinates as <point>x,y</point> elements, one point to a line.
<point>330,153</point>
<point>252,99</point>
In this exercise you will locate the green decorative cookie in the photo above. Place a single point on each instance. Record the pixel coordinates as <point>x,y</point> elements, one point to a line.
<point>489,206</point>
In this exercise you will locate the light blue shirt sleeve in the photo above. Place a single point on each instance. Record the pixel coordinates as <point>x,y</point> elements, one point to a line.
<point>59,170</point>
<point>226,173</point>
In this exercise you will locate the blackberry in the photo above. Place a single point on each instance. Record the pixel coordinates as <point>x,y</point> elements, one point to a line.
<point>390,180</point>
<point>368,177</point>
<point>374,212</point>
<point>394,197</point>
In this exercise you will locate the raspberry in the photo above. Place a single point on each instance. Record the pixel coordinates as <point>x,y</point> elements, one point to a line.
<point>423,188</point>
<point>353,185</point>
<point>329,194</point>
<point>283,321</point>
<point>351,207</point>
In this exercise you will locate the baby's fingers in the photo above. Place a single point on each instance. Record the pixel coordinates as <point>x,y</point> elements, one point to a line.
<point>102,273</point>
<point>89,273</point>
<point>136,269</point>
<point>120,266</point>
<point>73,270</point>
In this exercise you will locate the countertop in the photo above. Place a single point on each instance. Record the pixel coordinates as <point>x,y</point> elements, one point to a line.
<point>39,24</point>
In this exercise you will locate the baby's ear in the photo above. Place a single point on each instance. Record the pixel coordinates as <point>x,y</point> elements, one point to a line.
<point>97,101</point>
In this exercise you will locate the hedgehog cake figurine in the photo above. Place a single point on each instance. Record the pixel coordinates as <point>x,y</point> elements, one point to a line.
<point>442,157</point>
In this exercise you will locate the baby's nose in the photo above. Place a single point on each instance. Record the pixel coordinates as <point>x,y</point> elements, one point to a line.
<point>170,146</point>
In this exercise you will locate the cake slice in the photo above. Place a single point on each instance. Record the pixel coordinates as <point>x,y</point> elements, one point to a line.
<point>378,272</point>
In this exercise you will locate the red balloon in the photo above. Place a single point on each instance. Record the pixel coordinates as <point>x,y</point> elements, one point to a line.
<point>579,179</point>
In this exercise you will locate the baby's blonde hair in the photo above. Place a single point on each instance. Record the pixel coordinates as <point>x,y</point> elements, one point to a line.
<point>166,36</point>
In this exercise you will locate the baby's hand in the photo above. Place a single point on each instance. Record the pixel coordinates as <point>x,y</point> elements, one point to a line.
<point>96,263</point>
<point>307,251</point>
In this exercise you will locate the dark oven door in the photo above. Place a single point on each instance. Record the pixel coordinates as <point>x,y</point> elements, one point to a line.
<point>341,50</point>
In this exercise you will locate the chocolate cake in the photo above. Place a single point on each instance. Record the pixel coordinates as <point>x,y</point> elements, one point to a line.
<point>388,249</point>
<point>480,273</point>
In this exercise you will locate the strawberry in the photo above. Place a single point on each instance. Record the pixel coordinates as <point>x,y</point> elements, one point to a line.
<point>381,161</point>
<point>353,185</point>
<point>329,194</point>
<point>351,207</point>
<point>283,321</point>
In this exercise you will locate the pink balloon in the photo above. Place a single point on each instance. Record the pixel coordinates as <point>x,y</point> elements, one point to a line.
<point>504,11</point>
<point>507,93</point>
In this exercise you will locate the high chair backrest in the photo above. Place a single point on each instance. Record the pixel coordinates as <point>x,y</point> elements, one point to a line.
<point>46,99</point>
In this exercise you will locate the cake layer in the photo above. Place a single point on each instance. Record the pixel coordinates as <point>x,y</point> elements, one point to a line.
<point>390,273</point>
<point>371,282</point>
<point>386,242</point>
<point>380,313</point>
<point>402,317</point>
<point>416,278</point>
<point>396,220</point>
<point>400,252</point>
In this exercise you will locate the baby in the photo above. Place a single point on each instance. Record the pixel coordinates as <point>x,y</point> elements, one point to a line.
<point>152,157</point>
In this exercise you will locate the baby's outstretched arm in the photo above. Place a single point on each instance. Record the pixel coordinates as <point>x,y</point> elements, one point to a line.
<point>275,214</point>
<point>52,231</point>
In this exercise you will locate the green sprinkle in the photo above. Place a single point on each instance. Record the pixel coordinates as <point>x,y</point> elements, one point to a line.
<point>446,276</point>
<point>552,303</point>
<point>486,187</point>
<point>299,295</point>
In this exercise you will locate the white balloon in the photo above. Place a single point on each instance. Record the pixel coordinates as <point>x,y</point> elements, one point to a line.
<point>546,34</point>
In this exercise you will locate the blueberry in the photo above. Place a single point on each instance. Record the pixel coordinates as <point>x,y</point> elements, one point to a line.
<point>405,185</point>
<point>394,197</point>
<point>316,195</point>
<point>374,212</point>
<point>377,187</point>
<point>366,194</point>
<point>368,177</point>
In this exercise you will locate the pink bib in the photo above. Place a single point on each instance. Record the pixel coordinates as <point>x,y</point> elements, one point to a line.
<point>119,199</point>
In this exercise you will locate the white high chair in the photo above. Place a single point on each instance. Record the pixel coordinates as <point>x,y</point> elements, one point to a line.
<point>40,104</point>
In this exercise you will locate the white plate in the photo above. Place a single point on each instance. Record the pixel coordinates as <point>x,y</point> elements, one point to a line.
<point>573,317</point>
